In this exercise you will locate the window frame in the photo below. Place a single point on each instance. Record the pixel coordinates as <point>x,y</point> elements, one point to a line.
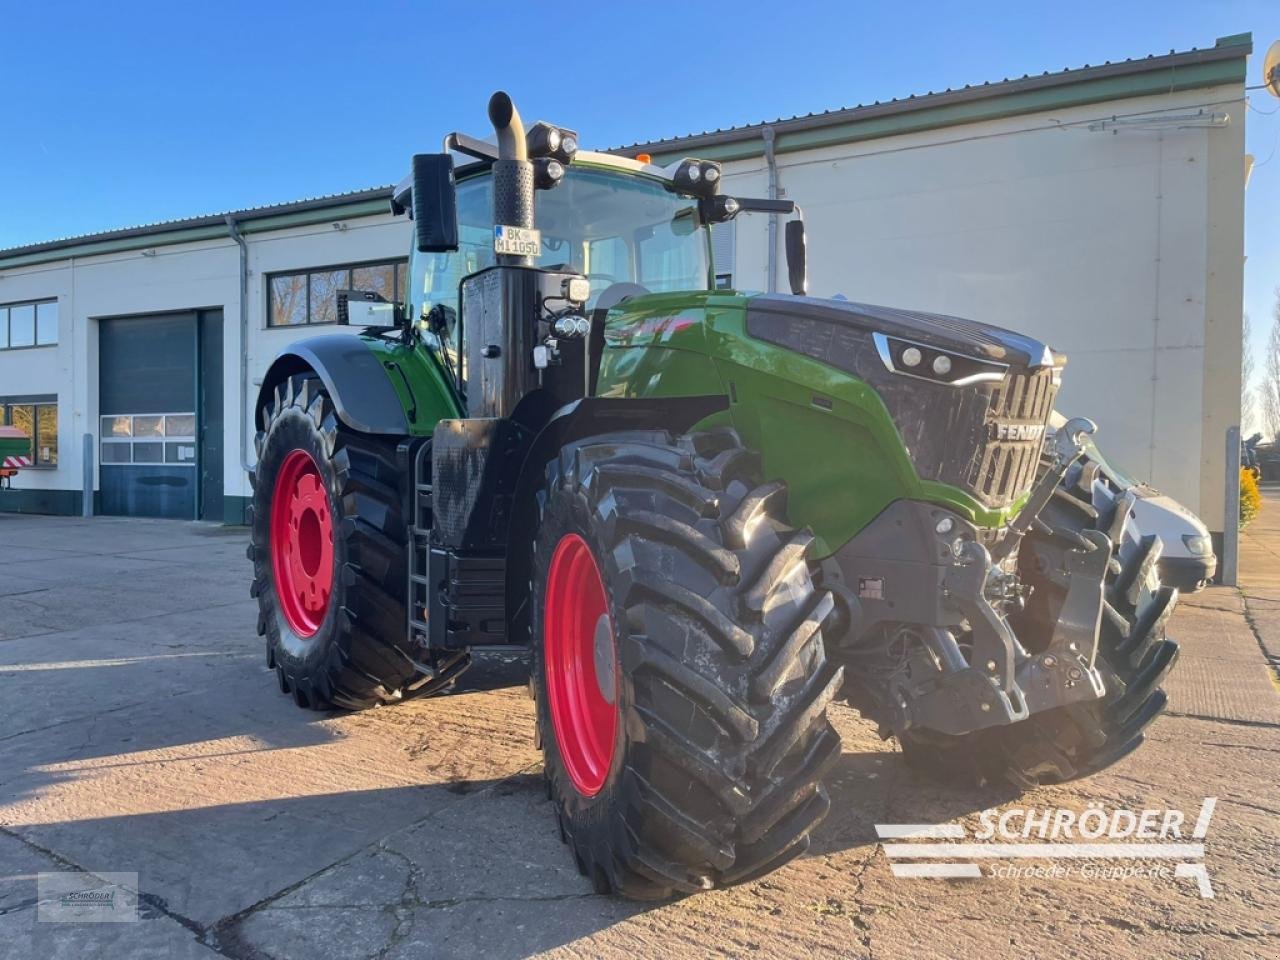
<point>6,325</point>
<point>162,441</point>
<point>35,401</point>
<point>399,287</point>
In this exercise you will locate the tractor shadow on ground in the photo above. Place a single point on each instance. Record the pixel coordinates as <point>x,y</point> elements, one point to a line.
<point>494,670</point>
<point>878,787</point>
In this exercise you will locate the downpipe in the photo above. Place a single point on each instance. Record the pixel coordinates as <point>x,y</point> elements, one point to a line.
<point>771,160</point>
<point>234,229</point>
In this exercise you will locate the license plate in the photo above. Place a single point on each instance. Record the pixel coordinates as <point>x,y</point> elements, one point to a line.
<point>516,241</point>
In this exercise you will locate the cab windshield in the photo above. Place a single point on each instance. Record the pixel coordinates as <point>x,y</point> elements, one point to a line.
<point>613,228</point>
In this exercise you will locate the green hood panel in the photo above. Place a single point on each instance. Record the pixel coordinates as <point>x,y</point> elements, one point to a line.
<point>824,432</point>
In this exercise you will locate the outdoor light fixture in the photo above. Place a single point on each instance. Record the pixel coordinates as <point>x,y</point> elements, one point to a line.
<point>547,173</point>
<point>924,362</point>
<point>544,140</point>
<point>577,289</point>
<point>698,177</point>
<point>718,209</point>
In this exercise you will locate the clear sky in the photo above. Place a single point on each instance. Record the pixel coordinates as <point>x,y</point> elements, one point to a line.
<point>114,114</point>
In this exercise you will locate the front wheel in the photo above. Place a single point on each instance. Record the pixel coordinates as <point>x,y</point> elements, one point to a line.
<point>679,670</point>
<point>328,552</point>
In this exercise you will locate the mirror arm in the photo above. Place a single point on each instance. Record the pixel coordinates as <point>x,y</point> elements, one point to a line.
<point>402,197</point>
<point>760,205</point>
<point>471,146</point>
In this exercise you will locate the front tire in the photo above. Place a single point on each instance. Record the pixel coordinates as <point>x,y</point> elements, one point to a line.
<point>678,664</point>
<point>328,551</point>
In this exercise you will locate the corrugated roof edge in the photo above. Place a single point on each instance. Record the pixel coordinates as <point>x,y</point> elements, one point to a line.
<point>244,218</point>
<point>1236,46</point>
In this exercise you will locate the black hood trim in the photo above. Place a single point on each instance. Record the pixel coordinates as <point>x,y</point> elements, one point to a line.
<point>936,329</point>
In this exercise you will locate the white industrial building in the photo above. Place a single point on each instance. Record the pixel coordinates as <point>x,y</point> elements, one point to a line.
<point>1100,209</point>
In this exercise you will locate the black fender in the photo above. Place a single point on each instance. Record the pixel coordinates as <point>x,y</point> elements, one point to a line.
<point>358,385</point>
<point>576,421</point>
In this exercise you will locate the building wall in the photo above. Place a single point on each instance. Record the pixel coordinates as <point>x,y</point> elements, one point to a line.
<point>165,279</point>
<point>367,238</point>
<point>1120,245</point>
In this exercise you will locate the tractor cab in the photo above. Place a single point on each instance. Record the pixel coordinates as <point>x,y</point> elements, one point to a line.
<point>626,227</point>
<point>608,224</point>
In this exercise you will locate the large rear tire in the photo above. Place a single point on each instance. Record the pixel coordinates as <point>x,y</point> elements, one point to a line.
<point>328,552</point>
<point>1134,656</point>
<point>678,664</point>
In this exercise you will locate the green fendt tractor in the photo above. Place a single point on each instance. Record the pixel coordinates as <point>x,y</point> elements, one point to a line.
<point>705,513</point>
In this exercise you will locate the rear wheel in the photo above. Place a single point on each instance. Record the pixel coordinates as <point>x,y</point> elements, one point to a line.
<point>1134,656</point>
<point>679,670</point>
<point>328,552</point>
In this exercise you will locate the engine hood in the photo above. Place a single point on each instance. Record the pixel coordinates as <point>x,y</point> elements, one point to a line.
<point>934,329</point>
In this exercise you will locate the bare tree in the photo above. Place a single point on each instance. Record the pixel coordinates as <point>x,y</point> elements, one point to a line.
<point>1248,398</point>
<point>1270,388</point>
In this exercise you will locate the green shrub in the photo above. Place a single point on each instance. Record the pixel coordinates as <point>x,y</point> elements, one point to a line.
<point>1250,498</point>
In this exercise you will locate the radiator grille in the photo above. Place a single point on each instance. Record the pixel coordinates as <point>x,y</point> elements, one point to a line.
<point>1016,416</point>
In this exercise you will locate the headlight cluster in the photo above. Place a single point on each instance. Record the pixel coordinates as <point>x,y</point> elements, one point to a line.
<point>930,363</point>
<point>1197,545</point>
<point>544,140</point>
<point>701,178</point>
<point>551,149</point>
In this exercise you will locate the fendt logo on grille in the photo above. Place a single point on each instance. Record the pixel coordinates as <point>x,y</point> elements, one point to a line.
<point>1017,431</point>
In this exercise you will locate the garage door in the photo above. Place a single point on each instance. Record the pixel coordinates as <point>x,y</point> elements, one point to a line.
<point>151,426</point>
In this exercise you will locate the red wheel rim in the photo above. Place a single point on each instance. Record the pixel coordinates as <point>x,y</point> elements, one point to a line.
<point>301,543</point>
<point>581,665</point>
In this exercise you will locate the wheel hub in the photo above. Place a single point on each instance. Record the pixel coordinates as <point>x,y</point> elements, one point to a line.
<point>603,657</point>
<point>580,661</point>
<point>301,543</point>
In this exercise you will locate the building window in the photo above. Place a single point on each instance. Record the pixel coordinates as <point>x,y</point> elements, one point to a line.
<point>310,296</point>
<point>37,417</point>
<point>168,438</point>
<point>28,324</point>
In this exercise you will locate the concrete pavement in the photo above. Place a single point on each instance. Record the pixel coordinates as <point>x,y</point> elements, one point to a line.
<point>140,731</point>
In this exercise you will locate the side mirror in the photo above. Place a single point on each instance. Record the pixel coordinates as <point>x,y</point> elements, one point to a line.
<point>797,258</point>
<point>364,308</point>
<point>435,205</point>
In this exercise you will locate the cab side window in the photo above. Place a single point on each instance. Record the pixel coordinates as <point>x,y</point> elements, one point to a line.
<point>439,274</point>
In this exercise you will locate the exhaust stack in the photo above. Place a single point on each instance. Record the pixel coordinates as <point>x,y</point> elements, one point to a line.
<point>512,173</point>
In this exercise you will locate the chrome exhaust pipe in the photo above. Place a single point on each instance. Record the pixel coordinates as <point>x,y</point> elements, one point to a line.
<point>512,172</point>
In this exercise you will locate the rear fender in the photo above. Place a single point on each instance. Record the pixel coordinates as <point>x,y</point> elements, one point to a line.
<point>362,394</point>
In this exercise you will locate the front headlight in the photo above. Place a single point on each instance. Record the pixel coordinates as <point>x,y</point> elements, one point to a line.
<point>1197,544</point>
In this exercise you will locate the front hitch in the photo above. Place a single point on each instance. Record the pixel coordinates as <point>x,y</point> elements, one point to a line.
<point>999,682</point>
